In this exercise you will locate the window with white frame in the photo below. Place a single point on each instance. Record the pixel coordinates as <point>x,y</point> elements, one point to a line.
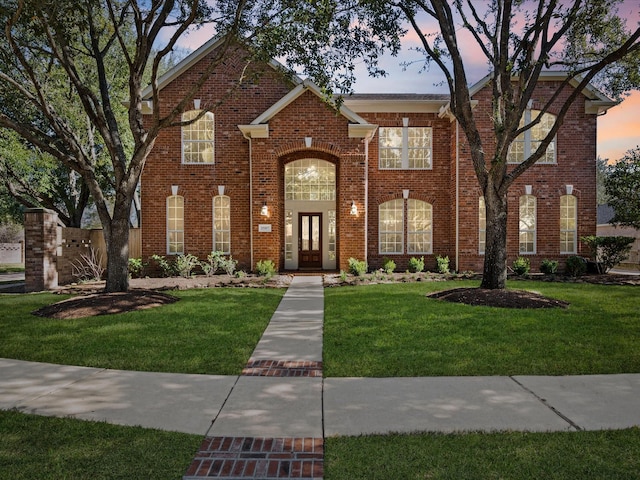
<point>288,235</point>
<point>198,138</point>
<point>568,224</point>
<point>527,224</point>
<point>419,226</point>
<point>391,226</point>
<point>310,179</point>
<point>222,224</point>
<point>332,234</point>
<point>528,142</point>
<point>405,147</point>
<point>482,226</point>
<point>175,225</point>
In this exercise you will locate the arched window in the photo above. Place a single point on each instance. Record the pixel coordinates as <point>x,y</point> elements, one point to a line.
<point>198,138</point>
<point>419,226</point>
<point>568,224</point>
<point>310,179</point>
<point>528,141</point>
<point>482,226</point>
<point>527,224</point>
<point>175,225</point>
<point>222,224</point>
<point>391,226</point>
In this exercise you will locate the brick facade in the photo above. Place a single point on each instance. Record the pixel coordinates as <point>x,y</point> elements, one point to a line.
<point>251,168</point>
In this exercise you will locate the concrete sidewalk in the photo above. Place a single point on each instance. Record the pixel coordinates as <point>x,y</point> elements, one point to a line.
<point>284,406</point>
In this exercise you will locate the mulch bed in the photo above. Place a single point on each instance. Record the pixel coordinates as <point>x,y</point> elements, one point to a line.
<point>498,298</point>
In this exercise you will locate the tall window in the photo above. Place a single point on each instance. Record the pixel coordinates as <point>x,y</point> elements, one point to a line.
<point>419,226</point>
<point>482,226</point>
<point>391,226</point>
<point>288,235</point>
<point>332,234</point>
<point>527,224</point>
<point>198,138</point>
<point>405,147</point>
<point>568,224</point>
<point>175,225</point>
<point>222,224</point>
<point>528,141</point>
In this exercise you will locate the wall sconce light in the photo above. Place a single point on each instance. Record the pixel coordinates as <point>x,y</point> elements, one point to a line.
<point>569,189</point>
<point>196,103</point>
<point>264,211</point>
<point>528,189</point>
<point>354,208</point>
<point>405,193</point>
<point>174,190</point>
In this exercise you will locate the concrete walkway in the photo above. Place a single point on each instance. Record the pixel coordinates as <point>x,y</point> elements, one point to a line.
<point>282,395</point>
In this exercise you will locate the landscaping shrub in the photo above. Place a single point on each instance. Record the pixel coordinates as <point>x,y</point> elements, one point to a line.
<point>215,261</point>
<point>229,265</point>
<point>165,267</point>
<point>443,264</point>
<point>265,268</point>
<point>416,265</point>
<point>549,267</point>
<point>607,252</point>
<point>183,265</point>
<point>576,266</point>
<point>357,267</point>
<point>388,265</point>
<point>521,265</point>
<point>135,267</point>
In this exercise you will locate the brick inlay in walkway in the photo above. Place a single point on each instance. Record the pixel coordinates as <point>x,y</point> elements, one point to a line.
<point>283,368</point>
<point>263,458</point>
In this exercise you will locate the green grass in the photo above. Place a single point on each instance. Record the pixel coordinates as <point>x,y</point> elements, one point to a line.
<point>209,331</point>
<point>60,448</point>
<point>9,268</point>
<point>394,330</point>
<point>564,455</point>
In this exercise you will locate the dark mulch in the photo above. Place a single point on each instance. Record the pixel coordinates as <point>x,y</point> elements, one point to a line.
<point>105,304</point>
<point>498,298</point>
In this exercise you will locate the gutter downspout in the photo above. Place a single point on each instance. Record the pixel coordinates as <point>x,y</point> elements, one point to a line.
<point>366,198</point>
<point>248,137</point>
<point>457,197</point>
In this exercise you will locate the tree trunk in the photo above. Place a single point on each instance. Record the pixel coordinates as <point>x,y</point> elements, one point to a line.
<point>117,240</point>
<point>495,257</point>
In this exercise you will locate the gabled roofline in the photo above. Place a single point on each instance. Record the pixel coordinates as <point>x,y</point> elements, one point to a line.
<point>306,85</point>
<point>196,56</point>
<point>597,102</point>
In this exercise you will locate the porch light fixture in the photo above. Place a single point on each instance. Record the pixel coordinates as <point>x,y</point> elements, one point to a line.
<point>354,208</point>
<point>569,189</point>
<point>264,211</point>
<point>196,103</point>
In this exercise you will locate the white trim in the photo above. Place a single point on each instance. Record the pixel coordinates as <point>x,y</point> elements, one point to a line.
<point>255,131</point>
<point>371,105</point>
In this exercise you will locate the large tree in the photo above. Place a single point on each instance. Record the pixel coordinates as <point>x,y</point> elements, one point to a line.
<point>622,184</point>
<point>519,41</point>
<point>73,43</point>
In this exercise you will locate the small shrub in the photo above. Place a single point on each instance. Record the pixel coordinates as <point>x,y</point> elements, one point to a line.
<point>241,274</point>
<point>135,267</point>
<point>388,265</point>
<point>357,267</point>
<point>576,266</point>
<point>549,267</point>
<point>183,265</point>
<point>265,268</point>
<point>416,265</point>
<point>521,265</point>
<point>229,265</point>
<point>343,276</point>
<point>88,267</point>
<point>443,264</point>
<point>214,262</point>
<point>166,268</point>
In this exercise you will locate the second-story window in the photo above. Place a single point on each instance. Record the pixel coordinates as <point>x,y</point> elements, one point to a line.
<point>528,142</point>
<point>405,147</point>
<point>198,138</point>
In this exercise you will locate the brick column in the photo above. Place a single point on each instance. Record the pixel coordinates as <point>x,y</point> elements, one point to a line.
<point>40,231</point>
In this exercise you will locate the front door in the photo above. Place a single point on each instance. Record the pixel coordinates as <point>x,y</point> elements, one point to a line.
<point>310,240</point>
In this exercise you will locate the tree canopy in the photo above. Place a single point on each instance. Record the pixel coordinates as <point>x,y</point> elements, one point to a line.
<point>622,184</point>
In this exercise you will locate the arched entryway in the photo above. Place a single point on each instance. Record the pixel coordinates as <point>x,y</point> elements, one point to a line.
<point>310,234</point>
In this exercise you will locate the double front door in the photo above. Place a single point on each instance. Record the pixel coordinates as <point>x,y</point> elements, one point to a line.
<point>310,240</point>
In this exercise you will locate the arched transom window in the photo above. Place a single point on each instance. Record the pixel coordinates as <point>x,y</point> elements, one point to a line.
<point>310,179</point>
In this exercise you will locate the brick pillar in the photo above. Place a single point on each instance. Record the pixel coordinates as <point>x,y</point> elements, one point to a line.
<point>40,232</point>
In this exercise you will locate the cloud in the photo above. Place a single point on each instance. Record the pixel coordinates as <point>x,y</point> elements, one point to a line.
<point>619,129</point>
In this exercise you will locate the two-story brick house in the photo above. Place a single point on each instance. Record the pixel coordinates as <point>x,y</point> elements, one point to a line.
<point>276,173</point>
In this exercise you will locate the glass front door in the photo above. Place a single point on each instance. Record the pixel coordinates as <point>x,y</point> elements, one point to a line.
<point>310,240</point>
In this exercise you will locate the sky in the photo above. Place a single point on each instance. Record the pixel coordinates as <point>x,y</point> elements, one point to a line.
<point>618,129</point>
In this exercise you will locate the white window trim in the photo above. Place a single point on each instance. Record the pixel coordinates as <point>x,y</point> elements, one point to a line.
<point>430,232</point>
<point>226,252</point>
<point>168,231</point>
<point>405,149</point>
<point>380,231</point>
<point>182,140</point>
<point>527,142</point>
<point>574,231</point>
<point>482,234</point>
<point>535,229</point>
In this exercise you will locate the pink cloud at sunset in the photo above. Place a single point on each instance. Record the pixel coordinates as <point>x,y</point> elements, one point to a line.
<point>619,129</point>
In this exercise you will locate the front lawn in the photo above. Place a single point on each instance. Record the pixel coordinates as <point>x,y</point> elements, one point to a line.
<point>395,330</point>
<point>209,331</point>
